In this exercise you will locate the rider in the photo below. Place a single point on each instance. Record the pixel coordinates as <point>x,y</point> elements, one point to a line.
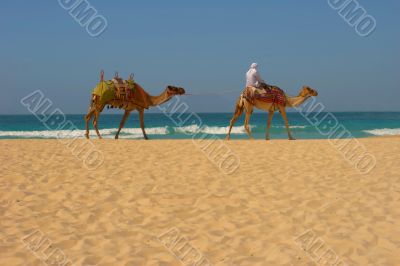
<point>253,78</point>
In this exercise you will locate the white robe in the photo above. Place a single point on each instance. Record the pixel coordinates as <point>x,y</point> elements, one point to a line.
<point>253,78</point>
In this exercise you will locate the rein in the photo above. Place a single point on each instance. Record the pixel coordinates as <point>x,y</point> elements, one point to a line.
<point>210,93</point>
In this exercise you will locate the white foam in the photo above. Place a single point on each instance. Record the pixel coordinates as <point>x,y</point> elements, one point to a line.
<point>130,132</point>
<point>150,131</point>
<point>187,129</point>
<point>384,131</point>
<point>210,130</point>
<point>66,134</point>
<point>290,126</point>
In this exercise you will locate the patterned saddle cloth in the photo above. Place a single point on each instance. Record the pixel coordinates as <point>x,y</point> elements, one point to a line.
<point>267,93</point>
<point>123,90</point>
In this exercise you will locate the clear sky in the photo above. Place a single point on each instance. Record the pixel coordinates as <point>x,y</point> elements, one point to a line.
<point>205,46</point>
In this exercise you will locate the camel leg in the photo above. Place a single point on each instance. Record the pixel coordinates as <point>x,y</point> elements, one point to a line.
<point>95,121</point>
<point>238,113</point>
<point>270,116</point>
<point>232,123</point>
<point>141,116</point>
<point>249,111</point>
<point>88,117</point>
<point>284,116</point>
<point>121,125</point>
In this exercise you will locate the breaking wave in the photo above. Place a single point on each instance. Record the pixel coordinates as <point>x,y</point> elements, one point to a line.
<point>384,132</point>
<point>300,127</point>
<point>125,133</point>
<point>66,134</point>
<point>133,132</point>
<point>210,130</point>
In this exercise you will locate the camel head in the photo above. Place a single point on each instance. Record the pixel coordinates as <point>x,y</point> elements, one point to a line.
<point>172,91</point>
<point>308,92</point>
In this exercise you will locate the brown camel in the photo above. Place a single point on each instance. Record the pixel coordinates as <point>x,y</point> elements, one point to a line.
<point>243,104</point>
<point>96,107</point>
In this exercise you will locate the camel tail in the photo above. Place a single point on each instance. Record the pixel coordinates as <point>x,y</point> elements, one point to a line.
<point>91,103</point>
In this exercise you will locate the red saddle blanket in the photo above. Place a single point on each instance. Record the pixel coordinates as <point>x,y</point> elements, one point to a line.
<point>268,94</point>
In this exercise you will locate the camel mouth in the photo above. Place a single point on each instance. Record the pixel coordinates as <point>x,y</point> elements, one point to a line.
<point>176,90</point>
<point>311,91</point>
<point>314,92</point>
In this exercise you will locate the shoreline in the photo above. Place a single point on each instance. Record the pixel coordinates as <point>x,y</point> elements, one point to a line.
<point>188,139</point>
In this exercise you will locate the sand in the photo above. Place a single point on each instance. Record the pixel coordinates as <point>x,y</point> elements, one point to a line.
<point>288,203</point>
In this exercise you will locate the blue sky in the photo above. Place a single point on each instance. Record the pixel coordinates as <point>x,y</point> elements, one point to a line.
<point>204,46</point>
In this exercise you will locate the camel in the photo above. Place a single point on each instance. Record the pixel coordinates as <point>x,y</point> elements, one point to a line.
<point>96,107</point>
<point>243,104</point>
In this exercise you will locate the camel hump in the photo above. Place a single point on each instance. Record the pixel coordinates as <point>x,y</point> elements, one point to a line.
<point>140,96</point>
<point>138,87</point>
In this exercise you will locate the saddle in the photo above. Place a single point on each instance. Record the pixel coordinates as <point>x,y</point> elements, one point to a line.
<point>122,88</point>
<point>266,93</point>
<point>127,91</point>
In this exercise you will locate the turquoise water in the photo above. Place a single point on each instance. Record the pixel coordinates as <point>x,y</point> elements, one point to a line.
<point>159,126</point>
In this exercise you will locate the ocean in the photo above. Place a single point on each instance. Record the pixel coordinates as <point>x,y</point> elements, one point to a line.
<point>159,126</point>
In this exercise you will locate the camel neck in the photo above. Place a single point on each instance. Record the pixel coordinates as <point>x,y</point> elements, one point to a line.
<point>297,101</point>
<point>159,99</point>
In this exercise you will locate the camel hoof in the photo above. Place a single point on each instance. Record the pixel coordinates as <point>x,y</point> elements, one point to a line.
<point>116,137</point>
<point>228,138</point>
<point>292,139</point>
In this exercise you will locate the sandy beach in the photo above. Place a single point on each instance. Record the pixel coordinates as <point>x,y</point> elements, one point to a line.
<point>164,202</point>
